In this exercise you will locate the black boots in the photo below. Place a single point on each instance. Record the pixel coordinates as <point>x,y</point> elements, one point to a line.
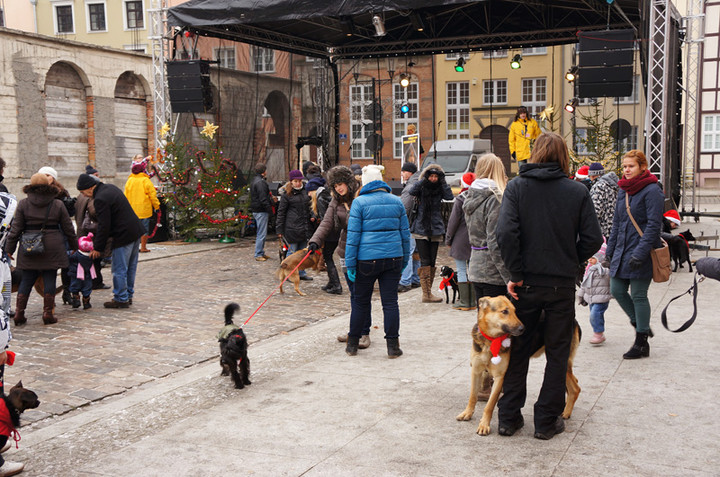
<point>75,300</point>
<point>352,345</point>
<point>86,303</point>
<point>640,349</point>
<point>333,287</point>
<point>393,347</point>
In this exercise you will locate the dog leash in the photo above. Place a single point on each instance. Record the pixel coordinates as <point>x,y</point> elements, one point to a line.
<point>277,287</point>
<point>694,290</point>
<point>157,224</point>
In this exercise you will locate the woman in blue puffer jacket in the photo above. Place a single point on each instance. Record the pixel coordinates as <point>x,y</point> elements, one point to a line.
<point>377,248</point>
<point>628,252</point>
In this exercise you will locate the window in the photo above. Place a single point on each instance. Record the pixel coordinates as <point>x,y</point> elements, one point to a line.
<point>226,57</point>
<point>711,133</point>
<point>455,56</point>
<point>584,141</point>
<point>630,142</point>
<point>533,95</point>
<point>458,110</point>
<point>633,98</point>
<point>495,92</point>
<point>361,98</point>
<point>402,95</point>
<point>134,15</point>
<point>587,101</point>
<point>64,19</point>
<point>2,17</point>
<point>537,50</point>
<point>96,17</point>
<point>263,60</point>
<point>495,54</point>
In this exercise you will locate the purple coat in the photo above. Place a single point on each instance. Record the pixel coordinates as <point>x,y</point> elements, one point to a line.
<point>456,236</point>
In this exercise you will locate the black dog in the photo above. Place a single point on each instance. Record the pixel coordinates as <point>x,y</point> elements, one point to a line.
<point>233,350</point>
<point>449,279</point>
<point>679,246</point>
<point>17,400</point>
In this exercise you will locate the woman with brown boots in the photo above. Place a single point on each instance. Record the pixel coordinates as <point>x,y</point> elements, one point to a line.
<point>428,228</point>
<point>40,211</point>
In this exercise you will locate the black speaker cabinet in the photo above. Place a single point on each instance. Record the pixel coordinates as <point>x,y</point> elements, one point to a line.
<point>605,61</point>
<point>189,86</point>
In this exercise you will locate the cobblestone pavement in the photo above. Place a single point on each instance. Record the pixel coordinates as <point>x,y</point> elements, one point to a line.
<point>181,291</point>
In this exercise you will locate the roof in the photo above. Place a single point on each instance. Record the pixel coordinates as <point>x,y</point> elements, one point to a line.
<point>339,29</point>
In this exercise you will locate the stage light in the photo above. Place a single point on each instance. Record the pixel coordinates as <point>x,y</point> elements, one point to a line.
<point>417,21</point>
<point>379,25</point>
<point>347,26</point>
<point>405,108</point>
<point>404,80</point>
<point>515,63</point>
<point>571,105</point>
<point>572,74</point>
<point>460,65</point>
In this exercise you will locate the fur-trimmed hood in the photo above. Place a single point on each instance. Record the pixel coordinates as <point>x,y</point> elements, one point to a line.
<point>432,169</point>
<point>342,175</point>
<point>40,195</point>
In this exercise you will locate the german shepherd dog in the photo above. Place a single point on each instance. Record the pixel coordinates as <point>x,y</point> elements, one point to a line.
<point>679,246</point>
<point>233,350</point>
<point>496,320</point>
<point>288,265</point>
<point>449,278</point>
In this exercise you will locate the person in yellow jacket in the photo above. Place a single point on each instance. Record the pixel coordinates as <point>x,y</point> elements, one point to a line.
<point>140,192</point>
<point>523,131</point>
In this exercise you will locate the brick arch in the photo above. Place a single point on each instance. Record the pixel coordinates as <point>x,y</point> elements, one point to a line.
<point>275,132</point>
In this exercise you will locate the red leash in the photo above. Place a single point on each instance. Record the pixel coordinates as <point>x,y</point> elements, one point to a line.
<point>157,224</point>
<point>278,287</point>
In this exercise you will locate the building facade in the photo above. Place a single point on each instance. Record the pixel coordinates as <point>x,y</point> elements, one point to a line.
<point>708,167</point>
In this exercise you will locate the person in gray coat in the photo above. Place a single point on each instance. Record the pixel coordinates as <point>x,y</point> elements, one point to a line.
<point>459,242</point>
<point>41,207</point>
<point>409,278</point>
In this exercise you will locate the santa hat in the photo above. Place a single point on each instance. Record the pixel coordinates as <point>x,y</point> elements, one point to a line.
<point>673,216</point>
<point>582,173</point>
<point>467,179</point>
<point>137,167</point>
<point>373,172</point>
<point>85,244</point>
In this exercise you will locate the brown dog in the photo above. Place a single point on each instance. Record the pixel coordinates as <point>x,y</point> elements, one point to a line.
<point>288,265</point>
<point>497,320</point>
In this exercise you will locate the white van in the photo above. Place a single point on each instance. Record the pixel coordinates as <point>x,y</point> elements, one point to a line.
<point>456,157</point>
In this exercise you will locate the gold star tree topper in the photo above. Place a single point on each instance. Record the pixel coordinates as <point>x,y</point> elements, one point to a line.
<point>164,130</point>
<point>209,130</point>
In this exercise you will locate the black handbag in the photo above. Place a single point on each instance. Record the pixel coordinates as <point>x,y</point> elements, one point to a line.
<point>32,241</point>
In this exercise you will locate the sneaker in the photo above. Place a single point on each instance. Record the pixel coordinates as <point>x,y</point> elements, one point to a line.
<point>557,428</point>
<point>306,278</point>
<point>404,288</point>
<point>508,429</point>
<point>597,339</point>
<point>116,304</point>
<point>342,338</point>
<point>364,342</point>
<point>260,259</point>
<point>11,468</point>
<point>265,256</point>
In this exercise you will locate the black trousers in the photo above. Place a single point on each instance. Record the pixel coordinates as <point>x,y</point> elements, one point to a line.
<point>486,289</point>
<point>428,252</point>
<point>548,314</point>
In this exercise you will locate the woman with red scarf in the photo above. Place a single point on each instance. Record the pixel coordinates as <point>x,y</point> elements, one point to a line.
<point>628,252</point>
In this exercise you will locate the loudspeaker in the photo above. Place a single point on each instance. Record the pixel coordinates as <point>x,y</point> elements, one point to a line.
<point>605,61</point>
<point>189,86</point>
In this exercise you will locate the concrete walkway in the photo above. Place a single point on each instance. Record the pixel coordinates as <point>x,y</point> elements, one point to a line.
<point>314,411</point>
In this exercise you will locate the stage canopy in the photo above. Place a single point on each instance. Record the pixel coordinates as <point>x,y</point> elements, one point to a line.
<point>338,29</point>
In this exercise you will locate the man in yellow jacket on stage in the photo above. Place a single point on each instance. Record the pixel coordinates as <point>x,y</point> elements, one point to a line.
<point>523,131</point>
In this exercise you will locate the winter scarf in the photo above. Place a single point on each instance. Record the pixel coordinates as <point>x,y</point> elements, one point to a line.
<point>637,183</point>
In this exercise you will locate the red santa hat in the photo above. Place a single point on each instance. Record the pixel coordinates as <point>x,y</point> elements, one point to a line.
<point>467,179</point>
<point>673,216</point>
<point>582,173</point>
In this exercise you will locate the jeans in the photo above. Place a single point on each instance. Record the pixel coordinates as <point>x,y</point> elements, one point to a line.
<point>635,304</point>
<point>555,332</point>
<point>409,273</point>
<point>294,247</point>
<point>124,267</point>
<point>461,270</point>
<point>146,224</point>
<point>28,280</point>
<point>368,318</point>
<point>597,316</point>
<point>261,224</point>
<point>386,271</point>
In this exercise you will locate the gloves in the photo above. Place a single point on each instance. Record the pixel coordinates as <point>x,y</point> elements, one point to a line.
<point>581,301</point>
<point>312,246</point>
<point>351,274</point>
<point>635,263</point>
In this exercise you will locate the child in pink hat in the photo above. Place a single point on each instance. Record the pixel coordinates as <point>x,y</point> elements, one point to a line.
<point>82,272</point>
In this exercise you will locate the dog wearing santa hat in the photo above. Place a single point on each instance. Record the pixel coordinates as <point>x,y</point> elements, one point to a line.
<point>679,244</point>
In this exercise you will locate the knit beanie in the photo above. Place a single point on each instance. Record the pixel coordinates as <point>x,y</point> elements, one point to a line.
<point>373,172</point>
<point>296,174</point>
<point>86,181</point>
<point>90,170</point>
<point>409,167</point>
<point>85,244</point>
<point>673,216</point>
<point>582,173</point>
<point>596,169</point>
<point>47,170</point>
<point>356,169</point>
<point>138,167</point>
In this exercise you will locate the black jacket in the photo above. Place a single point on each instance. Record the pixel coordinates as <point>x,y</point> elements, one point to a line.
<point>260,195</point>
<point>547,226</point>
<point>293,219</point>
<point>116,218</point>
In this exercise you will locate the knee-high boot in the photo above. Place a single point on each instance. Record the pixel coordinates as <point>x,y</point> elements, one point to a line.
<point>20,309</point>
<point>333,287</point>
<point>465,302</point>
<point>48,307</point>
<point>427,275</point>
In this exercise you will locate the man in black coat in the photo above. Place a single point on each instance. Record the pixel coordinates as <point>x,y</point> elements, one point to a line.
<point>117,221</point>
<point>546,228</point>
<point>261,206</point>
